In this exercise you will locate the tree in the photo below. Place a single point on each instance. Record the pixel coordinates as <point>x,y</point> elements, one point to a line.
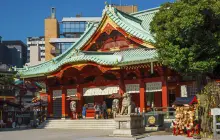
<point>6,80</point>
<point>208,98</point>
<point>187,35</point>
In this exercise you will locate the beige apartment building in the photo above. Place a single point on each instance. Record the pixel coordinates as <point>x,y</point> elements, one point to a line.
<point>35,50</point>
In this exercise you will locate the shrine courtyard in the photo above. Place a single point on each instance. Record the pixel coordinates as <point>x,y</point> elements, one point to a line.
<point>59,134</point>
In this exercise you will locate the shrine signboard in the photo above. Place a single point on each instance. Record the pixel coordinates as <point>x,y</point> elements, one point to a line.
<point>153,86</point>
<point>132,88</point>
<point>184,91</point>
<point>71,92</point>
<point>57,93</point>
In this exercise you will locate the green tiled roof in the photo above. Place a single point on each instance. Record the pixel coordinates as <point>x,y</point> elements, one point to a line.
<point>120,58</point>
<point>146,16</point>
<point>137,56</point>
<point>129,23</point>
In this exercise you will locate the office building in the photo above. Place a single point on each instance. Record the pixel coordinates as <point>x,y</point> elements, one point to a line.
<point>36,50</point>
<point>13,53</point>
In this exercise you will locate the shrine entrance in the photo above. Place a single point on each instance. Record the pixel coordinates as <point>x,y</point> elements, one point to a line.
<point>171,95</point>
<point>108,102</point>
<point>154,99</point>
<point>98,95</point>
<point>57,103</point>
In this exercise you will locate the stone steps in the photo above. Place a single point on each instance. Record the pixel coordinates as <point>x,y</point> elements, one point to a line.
<point>79,124</point>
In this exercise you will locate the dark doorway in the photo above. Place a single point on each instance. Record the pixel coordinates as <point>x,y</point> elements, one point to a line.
<point>109,102</point>
<point>172,96</point>
<point>57,108</point>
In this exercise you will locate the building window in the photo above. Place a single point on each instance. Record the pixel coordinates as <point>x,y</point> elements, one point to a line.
<point>74,27</point>
<point>62,47</point>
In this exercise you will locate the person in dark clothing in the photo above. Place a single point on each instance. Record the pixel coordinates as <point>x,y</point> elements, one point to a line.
<point>104,110</point>
<point>97,110</point>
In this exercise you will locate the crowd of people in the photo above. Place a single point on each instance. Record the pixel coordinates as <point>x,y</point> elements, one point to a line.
<point>100,110</point>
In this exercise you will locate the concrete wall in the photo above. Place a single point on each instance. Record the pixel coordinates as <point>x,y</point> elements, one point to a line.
<point>51,31</point>
<point>34,55</point>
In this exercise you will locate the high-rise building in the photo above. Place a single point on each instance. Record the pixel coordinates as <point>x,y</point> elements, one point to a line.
<point>13,53</point>
<point>36,50</point>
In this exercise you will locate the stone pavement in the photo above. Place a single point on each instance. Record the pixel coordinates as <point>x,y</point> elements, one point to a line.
<point>57,134</point>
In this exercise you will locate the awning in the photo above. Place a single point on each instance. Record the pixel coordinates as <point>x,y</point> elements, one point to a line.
<point>104,90</point>
<point>186,100</point>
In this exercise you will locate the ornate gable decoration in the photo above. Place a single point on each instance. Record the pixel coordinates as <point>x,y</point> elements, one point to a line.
<point>110,39</point>
<point>109,36</point>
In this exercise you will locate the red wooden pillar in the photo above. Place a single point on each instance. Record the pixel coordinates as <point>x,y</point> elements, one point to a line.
<point>80,96</point>
<point>142,96</point>
<point>122,89</point>
<point>157,99</point>
<point>164,93</point>
<point>50,103</point>
<point>64,103</point>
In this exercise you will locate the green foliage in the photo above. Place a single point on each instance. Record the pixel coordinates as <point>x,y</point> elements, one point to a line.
<point>6,80</point>
<point>208,98</point>
<point>187,35</point>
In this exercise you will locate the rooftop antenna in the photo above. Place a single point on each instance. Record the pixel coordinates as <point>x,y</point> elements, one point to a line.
<point>120,2</point>
<point>53,12</point>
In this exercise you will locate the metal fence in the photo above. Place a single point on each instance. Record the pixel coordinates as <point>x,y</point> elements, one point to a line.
<point>17,118</point>
<point>168,112</point>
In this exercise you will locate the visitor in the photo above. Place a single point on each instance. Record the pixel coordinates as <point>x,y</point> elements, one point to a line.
<point>137,110</point>
<point>104,110</point>
<point>97,110</point>
<point>84,111</point>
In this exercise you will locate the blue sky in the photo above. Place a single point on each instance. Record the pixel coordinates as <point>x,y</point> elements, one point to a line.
<point>20,19</point>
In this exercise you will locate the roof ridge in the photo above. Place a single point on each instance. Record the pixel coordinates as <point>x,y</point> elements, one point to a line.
<point>129,25</point>
<point>147,10</point>
<point>128,15</point>
<point>140,29</point>
<point>95,52</point>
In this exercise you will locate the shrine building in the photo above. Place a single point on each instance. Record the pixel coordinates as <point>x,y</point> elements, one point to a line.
<point>113,56</point>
